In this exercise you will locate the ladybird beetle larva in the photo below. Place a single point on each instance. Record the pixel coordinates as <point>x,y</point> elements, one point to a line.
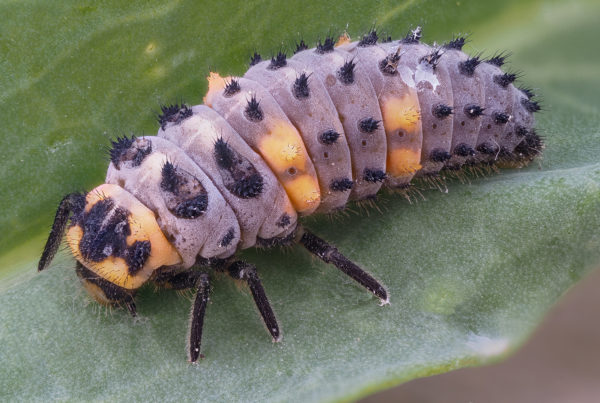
<point>292,137</point>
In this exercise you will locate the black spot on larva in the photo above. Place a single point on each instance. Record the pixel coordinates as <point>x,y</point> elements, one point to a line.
<point>389,65</point>
<point>173,114</point>
<point>346,72</point>
<point>300,46</point>
<point>184,195</point>
<point>284,220</point>
<point>232,88</point>
<point>464,150</point>
<point>531,145</point>
<point>226,240</point>
<point>112,292</point>
<point>498,59</point>
<point>505,79</point>
<point>433,58</point>
<point>441,111</point>
<point>278,61</point>
<point>501,118</point>
<point>341,185</point>
<point>488,148</point>
<point>105,231</point>
<point>468,66</point>
<point>253,111</point>
<point>136,256</point>
<point>130,149</point>
<point>531,106</point>
<point>326,46</point>
<point>413,36</point>
<point>439,155</point>
<point>368,125</point>
<point>300,88</point>
<point>528,92</point>
<point>521,131</point>
<point>329,136</point>
<point>255,59</point>
<point>473,111</point>
<point>239,175</point>
<point>369,39</point>
<point>276,241</point>
<point>374,175</point>
<point>456,43</point>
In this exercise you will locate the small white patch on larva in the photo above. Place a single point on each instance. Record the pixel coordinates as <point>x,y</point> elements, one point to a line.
<point>424,73</point>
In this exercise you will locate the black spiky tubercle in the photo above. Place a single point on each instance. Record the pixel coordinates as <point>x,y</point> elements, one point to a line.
<point>369,39</point>
<point>504,80</point>
<point>326,46</point>
<point>456,43</point>
<point>253,111</point>
<point>468,66</point>
<point>278,61</point>
<point>346,72</point>
<point>119,146</point>
<point>173,114</point>
<point>300,46</point>
<point>369,125</point>
<point>442,111</point>
<point>255,59</point>
<point>300,88</point>
<point>232,88</point>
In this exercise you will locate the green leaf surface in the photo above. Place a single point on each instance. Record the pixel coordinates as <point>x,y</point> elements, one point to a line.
<point>471,272</point>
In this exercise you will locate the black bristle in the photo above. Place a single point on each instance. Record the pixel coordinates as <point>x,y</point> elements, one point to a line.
<point>136,256</point>
<point>473,111</point>
<point>249,186</point>
<point>341,185</point>
<point>253,111</point>
<point>528,92</point>
<point>329,137</point>
<point>300,46</point>
<point>413,36</point>
<point>223,154</point>
<point>456,43</point>
<point>368,125</point>
<point>326,46</point>
<point>498,59</point>
<point>433,58</point>
<point>464,150</point>
<point>504,80</point>
<point>468,66</point>
<point>439,155</point>
<point>346,72</point>
<point>369,39</point>
<point>501,118</point>
<point>119,147</point>
<point>170,180</point>
<point>173,114</point>
<point>227,238</point>
<point>488,148</point>
<point>300,88</point>
<point>374,175</point>
<point>255,59</point>
<point>441,111</point>
<point>232,88</point>
<point>521,131</point>
<point>531,146</point>
<point>278,61</point>
<point>531,106</point>
<point>389,65</point>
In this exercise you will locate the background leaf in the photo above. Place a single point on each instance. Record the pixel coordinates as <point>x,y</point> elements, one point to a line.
<point>470,272</point>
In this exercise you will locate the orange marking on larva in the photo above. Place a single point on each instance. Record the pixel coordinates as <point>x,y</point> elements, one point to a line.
<point>303,192</point>
<point>216,84</point>
<point>403,161</point>
<point>344,39</point>
<point>400,113</point>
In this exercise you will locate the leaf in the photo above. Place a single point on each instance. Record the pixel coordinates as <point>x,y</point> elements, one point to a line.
<point>470,272</point>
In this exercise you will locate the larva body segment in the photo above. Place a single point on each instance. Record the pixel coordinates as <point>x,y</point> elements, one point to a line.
<point>305,101</point>
<point>292,137</point>
<point>353,95</point>
<point>258,200</point>
<point>400,109</point>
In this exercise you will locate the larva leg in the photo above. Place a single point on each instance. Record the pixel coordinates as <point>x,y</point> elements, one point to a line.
<point>247,272</point>
<point>329,254</point>
<point>69,203</point>
<point>104,291</point>
<point>197,322</point>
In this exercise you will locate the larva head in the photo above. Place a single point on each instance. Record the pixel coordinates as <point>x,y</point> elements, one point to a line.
<point>117,238</point>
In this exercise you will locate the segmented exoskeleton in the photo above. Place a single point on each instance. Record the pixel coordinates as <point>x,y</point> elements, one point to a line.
<point>291,137</point>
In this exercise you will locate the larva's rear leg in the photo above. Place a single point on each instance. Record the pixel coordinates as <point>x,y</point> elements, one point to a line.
<point>247,272</point>
<point>329,254</point>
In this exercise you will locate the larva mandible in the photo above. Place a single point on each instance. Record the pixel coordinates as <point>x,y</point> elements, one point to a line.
<point>291,137</point>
